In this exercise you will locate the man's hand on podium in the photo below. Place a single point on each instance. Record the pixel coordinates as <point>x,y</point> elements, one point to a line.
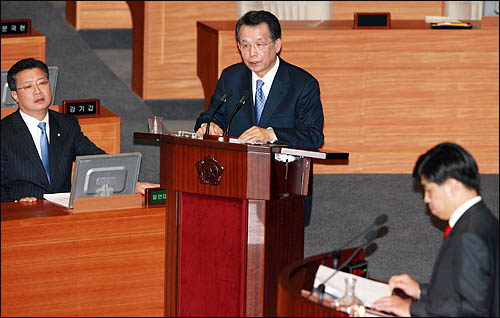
<point>258,134</point>
<point>405,290</point>
<point>214,130</point>
<point>26,200</point>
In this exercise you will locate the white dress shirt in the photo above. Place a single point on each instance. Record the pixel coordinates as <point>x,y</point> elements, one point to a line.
<point>455,216</point>
<point>35,131</point>
<point>268,80</point>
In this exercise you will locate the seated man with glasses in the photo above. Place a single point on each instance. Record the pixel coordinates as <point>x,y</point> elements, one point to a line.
<point>39,145</point>
<point>285,106</point>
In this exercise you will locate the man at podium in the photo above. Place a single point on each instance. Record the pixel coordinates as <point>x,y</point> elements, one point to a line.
<point>465,279</point>
<point>285,104</point>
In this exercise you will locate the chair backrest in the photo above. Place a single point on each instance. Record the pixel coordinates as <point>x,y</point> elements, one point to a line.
<point>290,10</point>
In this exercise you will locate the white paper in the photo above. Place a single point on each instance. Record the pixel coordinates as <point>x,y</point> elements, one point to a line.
<point>58,198</point>
<point>367,290</point>
<point>437,19</point>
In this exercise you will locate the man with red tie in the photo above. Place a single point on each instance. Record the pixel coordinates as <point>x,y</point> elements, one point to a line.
<point>465,278</point>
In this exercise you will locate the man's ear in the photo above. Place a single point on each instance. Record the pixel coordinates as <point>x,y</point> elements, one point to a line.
<point>454,185</point>
<point>14,95</point>
<point>277,45</point>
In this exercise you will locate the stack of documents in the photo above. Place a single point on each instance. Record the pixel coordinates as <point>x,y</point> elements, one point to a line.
<point>438,19</point>
<point>367,290</point>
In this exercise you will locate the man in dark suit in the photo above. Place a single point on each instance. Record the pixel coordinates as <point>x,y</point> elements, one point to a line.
<point>292,112</point>
<point>26,174</point>
<point>465,279</point>
<point>285,105</point>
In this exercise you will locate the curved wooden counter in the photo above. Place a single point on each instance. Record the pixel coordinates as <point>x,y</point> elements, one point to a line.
<point>299,276</point>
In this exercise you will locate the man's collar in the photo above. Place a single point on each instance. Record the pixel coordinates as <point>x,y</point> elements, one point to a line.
<point>455,216</point>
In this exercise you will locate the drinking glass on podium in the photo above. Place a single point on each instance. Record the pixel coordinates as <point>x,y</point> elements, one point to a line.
<point>155,125</point>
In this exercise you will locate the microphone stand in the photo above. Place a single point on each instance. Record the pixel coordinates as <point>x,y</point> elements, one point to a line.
<point>321,287</point>
<point>380,220</point>
<point>221,102</point>
<point>241,102</point>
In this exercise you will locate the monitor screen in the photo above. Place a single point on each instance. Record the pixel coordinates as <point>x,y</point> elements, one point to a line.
<point>9,102</point>
<point>105,175</point>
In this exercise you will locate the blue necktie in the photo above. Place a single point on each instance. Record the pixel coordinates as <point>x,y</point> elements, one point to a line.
<point>260,101</point>
<point>44,147</point>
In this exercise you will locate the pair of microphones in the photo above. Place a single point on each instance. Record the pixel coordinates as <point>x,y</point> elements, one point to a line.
<point>227,94</point>
<point>369,236</point>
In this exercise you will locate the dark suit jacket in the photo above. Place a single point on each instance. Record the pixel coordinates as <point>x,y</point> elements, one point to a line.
<point>23,173</point>
<point>293,108</point>
<point>464,281</point>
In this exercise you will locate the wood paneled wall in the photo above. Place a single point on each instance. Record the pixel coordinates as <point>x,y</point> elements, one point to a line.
<point>15,48</point>
<point>164,53</point>
<point>390,95</point>
<point>400,10</point>
<point>98,14</point>
<point>164,64</point>
<point>115,14</point>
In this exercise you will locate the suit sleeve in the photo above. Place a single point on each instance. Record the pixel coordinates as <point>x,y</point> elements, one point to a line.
<point>5,192</point>
<point>84,146</point>
<point>308,130</point>
<point>471,287</point>
<point>80,144</point>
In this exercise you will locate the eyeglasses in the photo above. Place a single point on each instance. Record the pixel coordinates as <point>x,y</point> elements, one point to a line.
<point>259,46</point>
<point>40,84</point>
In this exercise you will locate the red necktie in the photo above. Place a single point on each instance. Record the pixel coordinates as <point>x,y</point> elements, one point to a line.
<point>447,230</point>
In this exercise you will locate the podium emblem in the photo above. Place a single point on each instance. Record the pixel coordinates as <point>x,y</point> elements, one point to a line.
<point>209,171</point>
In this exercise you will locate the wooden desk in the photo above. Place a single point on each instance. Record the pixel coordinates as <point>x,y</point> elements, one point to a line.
<point>92,264</point>
<point>15,48</point>
<point>103,130</point>
<point>388,95</point>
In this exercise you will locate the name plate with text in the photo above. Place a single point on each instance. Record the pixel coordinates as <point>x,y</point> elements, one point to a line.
<point>16,27</point>
<point>372,20</point>
<point>82,107</point>
<point>155,196</point>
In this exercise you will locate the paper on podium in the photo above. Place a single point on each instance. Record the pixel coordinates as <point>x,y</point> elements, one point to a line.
<point>367,290</point>
<point>58,198</point>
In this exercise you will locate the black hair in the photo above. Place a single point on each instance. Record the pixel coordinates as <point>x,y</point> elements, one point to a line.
<point>448,160</point>
<point>257,17</point>
<point>25,64</point>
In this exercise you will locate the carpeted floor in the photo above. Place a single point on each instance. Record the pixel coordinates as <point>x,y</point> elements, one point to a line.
<point>97,64</point>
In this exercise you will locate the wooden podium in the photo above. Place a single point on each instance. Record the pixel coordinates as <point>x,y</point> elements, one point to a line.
<point>234,220</point>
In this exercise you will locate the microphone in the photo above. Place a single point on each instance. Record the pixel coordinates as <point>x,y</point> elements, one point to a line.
<point>369,238</point>
<point>240,103</point>
<point>228,93</point>
<point>381,219</point>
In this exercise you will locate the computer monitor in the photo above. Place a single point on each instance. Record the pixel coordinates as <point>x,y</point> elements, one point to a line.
<point>9,102</point>
<point>105,175</point>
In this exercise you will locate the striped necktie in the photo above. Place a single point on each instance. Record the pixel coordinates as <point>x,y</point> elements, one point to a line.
<point>260,100</point>
<point>44,147</point>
